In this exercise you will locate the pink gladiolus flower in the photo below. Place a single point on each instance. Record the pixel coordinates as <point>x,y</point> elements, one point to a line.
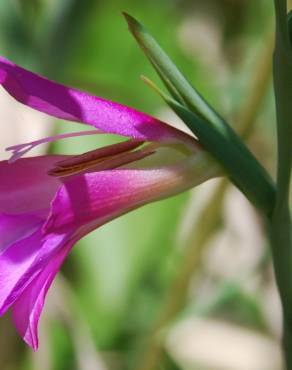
<point>47,203</point>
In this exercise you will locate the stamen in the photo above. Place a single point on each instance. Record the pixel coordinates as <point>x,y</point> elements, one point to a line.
<point>99,154</point>
<point>105,163</point>
<point>19,150</point>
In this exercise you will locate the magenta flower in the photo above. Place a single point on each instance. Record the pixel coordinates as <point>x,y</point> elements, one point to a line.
<point>47,203</point>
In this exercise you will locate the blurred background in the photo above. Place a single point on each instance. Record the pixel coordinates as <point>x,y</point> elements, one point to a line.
<point>185,283</point>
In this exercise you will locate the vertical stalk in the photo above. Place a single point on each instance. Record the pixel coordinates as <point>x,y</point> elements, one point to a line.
<point>280,223</point>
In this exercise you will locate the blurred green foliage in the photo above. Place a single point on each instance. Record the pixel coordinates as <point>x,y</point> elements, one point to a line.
<point>119,274</point>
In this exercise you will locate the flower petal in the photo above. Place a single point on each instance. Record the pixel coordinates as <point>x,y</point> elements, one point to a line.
<point>17,227</point>
<point>102,196</point>
<point>27,309</point>
<point>25,185</point>
<point>71,104</point>
<point>23,260</point>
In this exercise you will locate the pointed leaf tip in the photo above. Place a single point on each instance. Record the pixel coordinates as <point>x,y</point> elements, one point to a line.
<point>133,24</point>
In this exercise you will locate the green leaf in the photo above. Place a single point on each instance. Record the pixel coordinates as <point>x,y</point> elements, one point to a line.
<point>173,79</point>
<point>212,130</point>
<point>256,186</point>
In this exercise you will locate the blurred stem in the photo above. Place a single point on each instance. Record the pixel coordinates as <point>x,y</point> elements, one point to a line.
<point>208,220</point>
<point>280,223</point>
<point>67,304</point>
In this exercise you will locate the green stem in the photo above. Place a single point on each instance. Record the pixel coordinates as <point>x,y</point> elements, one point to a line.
<point>282,259</point>
<point>280,223</point>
